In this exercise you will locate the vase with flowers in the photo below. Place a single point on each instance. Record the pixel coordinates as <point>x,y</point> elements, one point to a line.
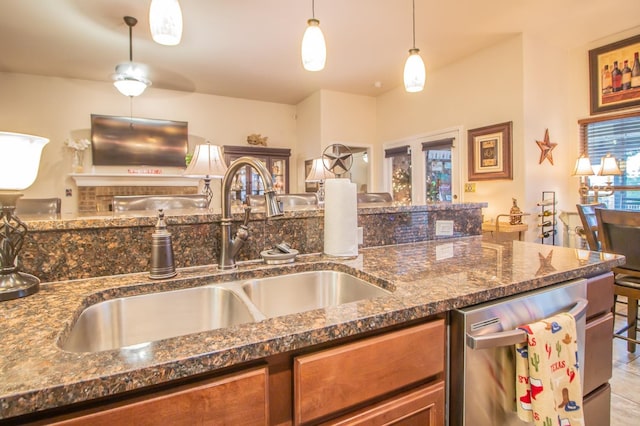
<point>77,147</point>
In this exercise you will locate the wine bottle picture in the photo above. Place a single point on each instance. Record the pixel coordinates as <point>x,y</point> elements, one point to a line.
<point>626,76</point>
<point>616,77</point>
<point>635,72</point>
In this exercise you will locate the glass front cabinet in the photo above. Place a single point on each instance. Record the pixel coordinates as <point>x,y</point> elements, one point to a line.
<point>247,181</point>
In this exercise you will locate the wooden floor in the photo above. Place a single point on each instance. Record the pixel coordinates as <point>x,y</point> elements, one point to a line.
<point>625,383</point>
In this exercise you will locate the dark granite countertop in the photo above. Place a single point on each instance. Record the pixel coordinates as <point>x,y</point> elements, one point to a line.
<point>425,278</point>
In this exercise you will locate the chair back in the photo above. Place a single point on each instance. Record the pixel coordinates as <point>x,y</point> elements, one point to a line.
<point>50,206</point>
<point>374,197</point>
<point>122,203</point>
<point>619,232</point>
<point>304,199</point>
<point>587,213</point>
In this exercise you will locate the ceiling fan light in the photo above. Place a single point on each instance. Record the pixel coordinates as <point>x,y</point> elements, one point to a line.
<point>314,49</point>
<point>414,72</point>
<point>130,78</point>
<point>165,22</point>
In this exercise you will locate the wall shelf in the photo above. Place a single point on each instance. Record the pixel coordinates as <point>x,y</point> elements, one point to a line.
<point>132,179</point>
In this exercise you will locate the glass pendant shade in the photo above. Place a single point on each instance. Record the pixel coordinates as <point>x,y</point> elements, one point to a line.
<point>583,167</point>
<point>206,162</point>
<point>414,72</point>
<point>314,49</point>
<point>165,21</point>
<point>130,78</point>
<point>20,160</point>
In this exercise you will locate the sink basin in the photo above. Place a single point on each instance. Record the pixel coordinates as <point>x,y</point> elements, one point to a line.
<point>305,291</point>
<point>138,319</point>
<point>134,320</point>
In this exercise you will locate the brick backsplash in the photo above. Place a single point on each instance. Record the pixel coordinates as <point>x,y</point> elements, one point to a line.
<point>100,198</point>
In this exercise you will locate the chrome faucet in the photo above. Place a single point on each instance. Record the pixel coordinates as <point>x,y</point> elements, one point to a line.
<point>229,247</point>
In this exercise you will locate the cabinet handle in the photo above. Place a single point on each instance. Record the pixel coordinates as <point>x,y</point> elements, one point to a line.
<point>513,337</point>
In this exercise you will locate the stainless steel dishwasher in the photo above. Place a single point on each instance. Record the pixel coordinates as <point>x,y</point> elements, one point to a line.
<point>482,361</point>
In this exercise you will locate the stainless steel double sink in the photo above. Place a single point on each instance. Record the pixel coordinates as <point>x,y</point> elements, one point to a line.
<point>134,320</point>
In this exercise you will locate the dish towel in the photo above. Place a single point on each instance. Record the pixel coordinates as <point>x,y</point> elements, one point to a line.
<point>548,389</point>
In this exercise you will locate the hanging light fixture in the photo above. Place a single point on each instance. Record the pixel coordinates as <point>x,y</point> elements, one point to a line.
<point>165,21</point>
<point>414,72</point>
<point>131,77</point>
<point>314,49</point>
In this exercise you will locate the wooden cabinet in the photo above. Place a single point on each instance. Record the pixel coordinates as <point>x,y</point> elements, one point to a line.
<point>339,379</point>
<point>235,399</point>
<point>246,181</point>
<point>598,357</point>
<point>393,377</point>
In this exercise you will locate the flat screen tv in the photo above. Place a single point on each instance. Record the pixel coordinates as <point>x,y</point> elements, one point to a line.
<point>126,141</point>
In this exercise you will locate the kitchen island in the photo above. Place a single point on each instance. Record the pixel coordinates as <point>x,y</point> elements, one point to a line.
<point>425,279</point>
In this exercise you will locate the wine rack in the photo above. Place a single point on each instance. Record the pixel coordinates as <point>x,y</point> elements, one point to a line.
<point>547,218</point>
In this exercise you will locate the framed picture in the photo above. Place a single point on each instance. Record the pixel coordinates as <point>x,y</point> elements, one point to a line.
<point>614,76</point>
<point>490,152</point>
<point>309,186</point>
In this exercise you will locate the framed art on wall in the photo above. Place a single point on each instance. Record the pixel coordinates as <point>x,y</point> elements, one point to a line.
<point>614,76</point>
<point>490,152</point>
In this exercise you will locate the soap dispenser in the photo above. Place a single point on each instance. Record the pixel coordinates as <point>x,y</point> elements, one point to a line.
<point>162,263</point>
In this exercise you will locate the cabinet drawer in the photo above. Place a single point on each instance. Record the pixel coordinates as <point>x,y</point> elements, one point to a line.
<point>600,295</point>
<point>598,353</point>
<point>335,379</point>
<point>423,406</point>
<point>597,407</point>
<point>236,399</point>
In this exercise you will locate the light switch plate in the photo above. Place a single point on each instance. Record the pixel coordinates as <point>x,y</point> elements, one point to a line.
<point>469,187</point>
<point>444,228</point>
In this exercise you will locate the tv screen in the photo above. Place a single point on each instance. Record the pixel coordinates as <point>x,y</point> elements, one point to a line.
<point>125,141</point>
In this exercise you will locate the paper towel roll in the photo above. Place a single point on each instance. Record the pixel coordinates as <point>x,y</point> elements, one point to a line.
<point>340,218</point>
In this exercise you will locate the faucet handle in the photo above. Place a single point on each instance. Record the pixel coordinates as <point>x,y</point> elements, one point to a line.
<point>247,213</point>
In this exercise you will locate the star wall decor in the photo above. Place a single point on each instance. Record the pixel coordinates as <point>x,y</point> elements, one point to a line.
<point>546,148</point>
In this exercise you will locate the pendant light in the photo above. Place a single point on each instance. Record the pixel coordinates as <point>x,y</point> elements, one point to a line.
<point>165,22</point>
<point>414,72</point>
<point>314,49</point>
<point>131,77</point>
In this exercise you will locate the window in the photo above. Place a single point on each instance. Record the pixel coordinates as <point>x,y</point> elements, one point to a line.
<point>620,137</point>
<point>400,172</point>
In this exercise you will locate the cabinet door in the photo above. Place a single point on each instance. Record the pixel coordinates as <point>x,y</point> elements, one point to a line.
<point>423,406</point>
<point>337,379</point>
<point>236,399</point>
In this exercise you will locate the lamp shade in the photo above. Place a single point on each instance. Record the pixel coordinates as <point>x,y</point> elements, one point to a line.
<point>165,22</point>
<point>319,172</point>
<point>314,49</point>
<point>206,162</point>
<point>583,167</point>
<point>609,166</point>
<point>20,160</point>
<point>414,72</point>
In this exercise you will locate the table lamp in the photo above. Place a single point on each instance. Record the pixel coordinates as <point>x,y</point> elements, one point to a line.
<point>319,173</point>
<point>18,170</point>
<point>206,164</point>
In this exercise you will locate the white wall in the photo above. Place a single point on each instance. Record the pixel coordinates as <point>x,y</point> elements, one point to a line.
<point>546,100</point>
<point>482,89</point>
<point>56,107</point>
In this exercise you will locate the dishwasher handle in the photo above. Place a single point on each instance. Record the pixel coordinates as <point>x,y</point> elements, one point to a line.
<point>513,337</point>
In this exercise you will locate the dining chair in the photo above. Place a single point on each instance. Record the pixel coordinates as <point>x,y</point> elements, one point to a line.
<point>40,206</point>
<point>619,232</point>
<point>590,224</point>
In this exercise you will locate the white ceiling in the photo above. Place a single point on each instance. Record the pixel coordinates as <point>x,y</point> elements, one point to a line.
<point>251,48</point>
